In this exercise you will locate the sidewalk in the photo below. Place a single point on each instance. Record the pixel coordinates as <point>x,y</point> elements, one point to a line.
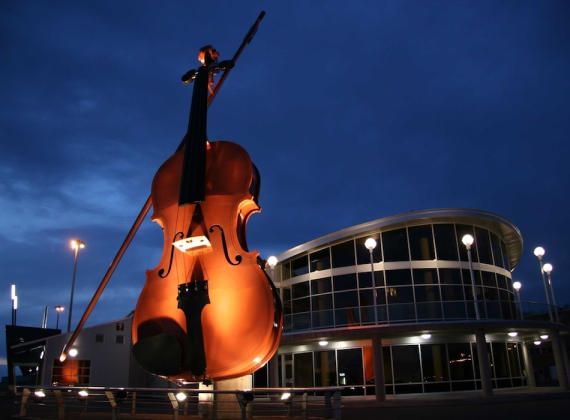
<point>460,398</point>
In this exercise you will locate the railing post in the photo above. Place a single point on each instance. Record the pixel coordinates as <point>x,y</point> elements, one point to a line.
<point>174,403</point>
<point>60,404</point>
<point>304,406</point>
<point>328,405</point>
<point>337,406</point>
<point>134,403</point>
<point>114,406</point>
<point>23,406</point>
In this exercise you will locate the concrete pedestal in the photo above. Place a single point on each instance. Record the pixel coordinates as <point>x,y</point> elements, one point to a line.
<point>227,405</point>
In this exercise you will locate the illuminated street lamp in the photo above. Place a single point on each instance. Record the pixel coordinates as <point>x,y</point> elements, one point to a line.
<point>468,241</point>
<point>58,309</point>
<point>272,262</point>
<point>370,244</point>
<point>547,269</point>
<point>75,244</point>
<point>517,286</point>
<point>14,303</point>
<point>539,252</point>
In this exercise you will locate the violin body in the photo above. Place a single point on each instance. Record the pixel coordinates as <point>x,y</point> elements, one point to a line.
<point>209,311</point>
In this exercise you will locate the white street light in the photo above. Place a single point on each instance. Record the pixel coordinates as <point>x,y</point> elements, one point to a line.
<point>468,241</point>
<point>548,269</point>
<point>14,303</point>
<point>272,262</point>
<point>370,244</point>
<point>75,244</point>
<point>539,252</point>
<point>59,309</point>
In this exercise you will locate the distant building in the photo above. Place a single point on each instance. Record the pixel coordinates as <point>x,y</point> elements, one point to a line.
<point>423,337</point>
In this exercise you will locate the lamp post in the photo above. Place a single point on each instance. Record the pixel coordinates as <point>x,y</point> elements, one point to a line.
<point>58,309</point>
<point>14,302</point>
<point>272,262</point>
<point>15,305</point>
<point>547,269</point>
<point>370,244</point>
<point>539,252</point>
<point>75,244</point>
<point>468,241</point>
<point>517,286</point>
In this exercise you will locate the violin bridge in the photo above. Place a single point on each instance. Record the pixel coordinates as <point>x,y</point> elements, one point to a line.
<point>191,244</point>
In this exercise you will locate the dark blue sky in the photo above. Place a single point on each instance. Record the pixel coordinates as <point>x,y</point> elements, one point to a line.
<point>352,111</point>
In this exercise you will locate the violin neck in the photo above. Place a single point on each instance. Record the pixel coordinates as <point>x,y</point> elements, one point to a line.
<point>192,186</point>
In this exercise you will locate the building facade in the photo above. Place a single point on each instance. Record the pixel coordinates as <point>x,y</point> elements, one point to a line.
<point>404,311</point>
<point>401,317</point>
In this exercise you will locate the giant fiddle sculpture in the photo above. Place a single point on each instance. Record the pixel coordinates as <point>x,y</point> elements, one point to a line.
<point>207,311</point>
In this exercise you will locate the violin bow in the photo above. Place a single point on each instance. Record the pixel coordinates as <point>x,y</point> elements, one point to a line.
<point>146,207</point>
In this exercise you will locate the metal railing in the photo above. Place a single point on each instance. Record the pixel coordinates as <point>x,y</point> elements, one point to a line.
<point>264,403</point>
<point>420,312</point>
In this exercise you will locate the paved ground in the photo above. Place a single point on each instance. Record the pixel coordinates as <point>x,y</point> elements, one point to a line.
<point>538,403</point>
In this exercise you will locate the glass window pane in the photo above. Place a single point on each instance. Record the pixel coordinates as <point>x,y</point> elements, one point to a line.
<point>398,277</point>
<point>434,363</point>
<point>320,260</point>
<point>425,275</point>
<point>365,279</point>
<point>500,360</point>
<point>387,365</point>
<point>303,368</point>
<point>450,293</point>
<point>301,321</point>
<point>445,242</point>
<point>395,245</point>
<point>502,282</point>
<point>496,249</point>
<point>319,286</point>
<point>488,279</point>
<point>427,293</point>
<point>367,299</point>
<point>325,368</point>
<point>347,317</point>
<point>322,319</point>
<point>454,310</point>
<point>421,243</point>
<point>463,230</point>
<point>490,293</point>
<point>406,361</point>
<point>467,276</point>
<point>299,266</point>
<point>402,312</point>
<point>322,302</point>
<point>300,289</point>
<point>483,245</point>
<point>346,300</point>
<point>286,270</point>
<point>301,305</point>
<point>350,370</point>
<point>460,361</point>
<point>345,282</point>
<point>363,254</point>
<point>450,276</point>
<point>514,362</point>
<point>431,310</point>
<point>400,294</point>
<point>343,254</point>
<point>506,264</point>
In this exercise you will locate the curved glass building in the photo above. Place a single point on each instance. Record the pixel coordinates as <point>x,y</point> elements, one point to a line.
<point>410,311</point>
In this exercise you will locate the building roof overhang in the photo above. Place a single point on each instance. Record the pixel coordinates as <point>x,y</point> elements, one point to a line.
<point>498,224</point>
